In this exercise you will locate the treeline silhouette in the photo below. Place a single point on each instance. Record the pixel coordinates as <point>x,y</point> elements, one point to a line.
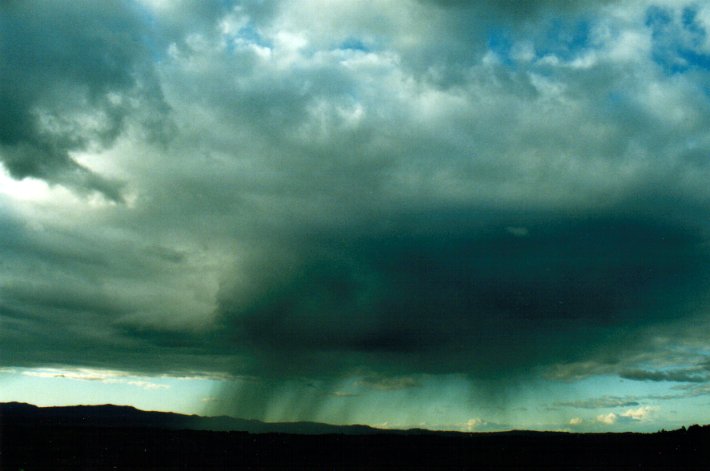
<point>30,440</point>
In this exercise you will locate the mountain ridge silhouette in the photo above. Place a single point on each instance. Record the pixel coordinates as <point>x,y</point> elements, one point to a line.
<point>110,437</point>
<point>111,415</point>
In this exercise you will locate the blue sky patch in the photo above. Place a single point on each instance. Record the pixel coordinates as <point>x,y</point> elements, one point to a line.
<point>354,44</point>
<point>562,39</point>
<point>677,40</point>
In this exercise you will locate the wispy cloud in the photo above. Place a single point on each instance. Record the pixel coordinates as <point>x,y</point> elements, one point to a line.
<point>690,375</point>
<point>600,402</point>
<point>385,383</point>
<point>101,376</point>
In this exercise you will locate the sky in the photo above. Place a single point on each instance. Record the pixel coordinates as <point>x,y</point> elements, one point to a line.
<point>416,213</point>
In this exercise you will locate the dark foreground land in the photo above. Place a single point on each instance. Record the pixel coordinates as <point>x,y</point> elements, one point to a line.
<point>29,442</point>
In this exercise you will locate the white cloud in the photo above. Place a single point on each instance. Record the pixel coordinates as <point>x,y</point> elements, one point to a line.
<point>574,421</point>
<point>472,424</point>
<point>607,419</point>
<point>636,414</point>
<point>147,385</point>
<point>640,413</point>
<point>82,374</point>
<point>101,376</point>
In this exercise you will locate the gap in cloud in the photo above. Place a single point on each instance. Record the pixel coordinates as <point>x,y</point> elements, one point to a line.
<point>500,43</point>
<point>244,35</point>
<point>561,39</point>
<point>566,40</point>
<point>679,40</point>
<point>354,44</point>
<point>26,189</point>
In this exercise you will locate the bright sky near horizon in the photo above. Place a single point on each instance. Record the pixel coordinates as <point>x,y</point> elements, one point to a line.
<point>413,213</point>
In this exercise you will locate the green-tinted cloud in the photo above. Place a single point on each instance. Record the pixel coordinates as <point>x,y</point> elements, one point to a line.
<point>357,194</point>
<point>73,74</point>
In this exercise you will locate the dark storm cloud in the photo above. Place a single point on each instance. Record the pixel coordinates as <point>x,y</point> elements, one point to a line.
<point>461,293</point>
<point>456,293</point>
<point>514,10</point>
<point>72,73</point>
<point>68,299</point>
<point>317,211</point>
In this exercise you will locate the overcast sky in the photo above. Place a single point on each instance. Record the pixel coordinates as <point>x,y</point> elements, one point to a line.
<point>449,214</point>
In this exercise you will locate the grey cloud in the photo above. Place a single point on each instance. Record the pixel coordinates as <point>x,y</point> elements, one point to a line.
<point>431,297</point>
<point>513,8</point>
<point>603,402</point>
<point>462,31</point>
<point>342,211</point>
<point>105,295</point>
<point>72,75</point>
<point>288,125</point>
<point>443,294</point>
<point>672,353</point>
<point>608,363</point>
<point>175,22</point>
<point>681,376</point>
<point>692,390</point>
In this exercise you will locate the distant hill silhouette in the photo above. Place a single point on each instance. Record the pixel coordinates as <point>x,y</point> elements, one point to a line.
<point>119,437</point>
<point>127,416</point>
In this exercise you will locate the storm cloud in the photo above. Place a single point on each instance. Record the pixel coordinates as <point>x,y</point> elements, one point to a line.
<point>73,73</point>
<point>335,199</point>
<point>460,293</point>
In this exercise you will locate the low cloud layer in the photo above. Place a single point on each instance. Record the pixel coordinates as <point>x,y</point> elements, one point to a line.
<point>472,299</point>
